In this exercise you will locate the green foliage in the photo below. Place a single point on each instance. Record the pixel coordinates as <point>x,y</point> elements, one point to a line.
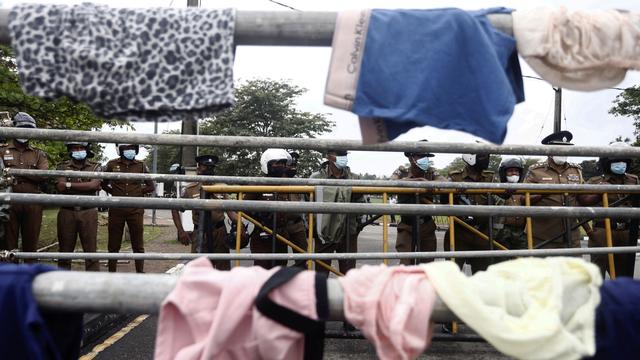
<point>61,113</point>
<point>264,108</point>
<point>627,103</point>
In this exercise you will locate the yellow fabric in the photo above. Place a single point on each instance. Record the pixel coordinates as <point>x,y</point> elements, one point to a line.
<point>527,308</point>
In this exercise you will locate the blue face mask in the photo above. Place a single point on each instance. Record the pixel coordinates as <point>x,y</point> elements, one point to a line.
<point>423,163</point>
<point>341,162</point>
<point>79,155</point>
<point>619,168</point>
<point>129,154</point>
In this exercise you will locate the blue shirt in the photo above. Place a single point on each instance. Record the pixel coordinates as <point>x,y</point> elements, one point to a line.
<point>446,68</point>
<point>618,320</point>
<point>26,332</point>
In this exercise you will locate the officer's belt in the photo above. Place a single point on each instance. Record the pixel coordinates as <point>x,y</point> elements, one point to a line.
<point>216,226</point>
<point>77,208</point>
<point>614,225</point>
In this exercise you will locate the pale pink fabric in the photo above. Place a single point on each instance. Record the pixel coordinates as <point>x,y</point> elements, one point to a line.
<point>210,314</point>
<point>392,307</point>
<point>580,50</point>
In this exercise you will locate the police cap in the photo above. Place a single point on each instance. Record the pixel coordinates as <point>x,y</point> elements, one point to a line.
<point>419,153</point>
<point>338,152</point>
<point>558,138</point>
<point>207,160</point>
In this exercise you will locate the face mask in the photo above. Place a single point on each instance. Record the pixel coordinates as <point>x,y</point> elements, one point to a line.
<point>291,172</point>
<point>423,163</point>
<point>560,160</point>
<point>277,171</point>
<point>341,162</point>
<point>513,178</point>
<point>22,141</point>
<point>482,163</point>
<point>79,155</point>
<point>129,154</point>
<point>619,168</point>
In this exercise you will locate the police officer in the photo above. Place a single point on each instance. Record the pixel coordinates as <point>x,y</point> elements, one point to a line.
<point>133,217</point>
<point>74,221</point>
<point>555,170</point>
<point>475,170</point>
<point>337,232</point>
<point>614,173</point>
<point>511,228</point>
<point>24,219</point>
<point>206,166</point>
<point>419,170</point>
<point>276,163</point>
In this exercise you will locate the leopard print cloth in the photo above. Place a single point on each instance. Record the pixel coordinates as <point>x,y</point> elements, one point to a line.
<point>158,64</point>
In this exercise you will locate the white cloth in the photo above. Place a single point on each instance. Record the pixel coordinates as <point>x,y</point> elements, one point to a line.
<point>582,50</point>
<point>527,308</point>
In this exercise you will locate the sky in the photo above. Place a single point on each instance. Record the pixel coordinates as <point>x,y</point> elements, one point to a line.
<point>586,113</point>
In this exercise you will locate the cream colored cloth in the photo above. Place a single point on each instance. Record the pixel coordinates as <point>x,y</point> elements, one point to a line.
<point>527,308</point>
<point>581,50</point>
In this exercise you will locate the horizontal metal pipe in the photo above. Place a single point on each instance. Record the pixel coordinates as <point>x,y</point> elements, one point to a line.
<point>317,207</point>
<point>314,144</point>
<point>279,28</point>
<point>143,293</point>
<point>323,256</point>
<point>269,181</point>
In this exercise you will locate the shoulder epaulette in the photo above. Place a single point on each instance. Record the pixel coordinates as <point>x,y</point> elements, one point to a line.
<point>632,176</point>
<point>538,165</point>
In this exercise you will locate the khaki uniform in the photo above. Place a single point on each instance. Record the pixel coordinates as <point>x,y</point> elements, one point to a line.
<point>25,219</point>
<point>219,231</point>
<point>425,224</point>
<point>77,221</point>
<point>133,217</point>
<point>548,228</point>
<point>624,263</point>
<point>510,230</point>
<point>338,245</point>
<point>288,225</point>
<point>465,240</point>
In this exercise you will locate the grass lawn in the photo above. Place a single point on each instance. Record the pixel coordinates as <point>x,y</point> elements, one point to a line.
<point>48,232</point>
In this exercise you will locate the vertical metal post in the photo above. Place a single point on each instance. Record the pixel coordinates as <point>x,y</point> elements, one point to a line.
<point>452,247</point>
<point>557,112</point>
<point>200,234</point>
<point>607,230</point>
<point>274,226</point>
<point>452,237</point>
<point>490,232</point>
<point>310,244</point>
<point>527,203</point>
<point>385,230</point>
<point>415,229</point>
<point>154,169</point>
<point>239,229</point>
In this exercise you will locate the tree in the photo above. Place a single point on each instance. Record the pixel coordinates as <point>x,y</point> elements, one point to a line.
<point>61,113</point>
<point>264,108</point>
<point>627,103</point>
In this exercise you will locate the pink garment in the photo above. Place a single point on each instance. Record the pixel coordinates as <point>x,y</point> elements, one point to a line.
<point>392,307</point>
<point>210,314</point>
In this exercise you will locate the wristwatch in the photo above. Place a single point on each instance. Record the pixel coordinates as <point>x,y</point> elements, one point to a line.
<point>68,185</point>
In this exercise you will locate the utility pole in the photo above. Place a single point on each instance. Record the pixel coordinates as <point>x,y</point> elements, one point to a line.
<point>557,112</point>
<point>189,126</point>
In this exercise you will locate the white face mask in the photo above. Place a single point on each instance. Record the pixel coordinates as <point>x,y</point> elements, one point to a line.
<point>559,160</point>
<point>22,141</point>
<point>513,178</point>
